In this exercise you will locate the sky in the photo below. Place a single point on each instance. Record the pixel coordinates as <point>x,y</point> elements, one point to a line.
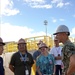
<point>25,18</point>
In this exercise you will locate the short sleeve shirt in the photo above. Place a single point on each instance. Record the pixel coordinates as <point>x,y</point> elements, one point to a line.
<point>46,64</point>
<point>67,51</point>
<point>36,54</point>
<point>55,51</point>
<point>19,65</point>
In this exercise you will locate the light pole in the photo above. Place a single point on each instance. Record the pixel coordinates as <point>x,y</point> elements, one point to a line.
<point>45,23</point>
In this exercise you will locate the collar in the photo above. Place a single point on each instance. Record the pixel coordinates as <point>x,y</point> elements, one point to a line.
<point>68,41</point>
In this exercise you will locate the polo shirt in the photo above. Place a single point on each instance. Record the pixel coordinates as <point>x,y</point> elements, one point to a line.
<point>36,54</point>
<point>19,65</point>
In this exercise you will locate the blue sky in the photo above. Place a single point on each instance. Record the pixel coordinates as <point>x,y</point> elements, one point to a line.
<point>25,18</point>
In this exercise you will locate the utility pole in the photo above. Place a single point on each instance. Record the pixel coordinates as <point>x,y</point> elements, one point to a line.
<point>45,23</point>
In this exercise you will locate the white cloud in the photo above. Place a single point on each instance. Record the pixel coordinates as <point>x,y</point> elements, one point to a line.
<point>60,3</point>
<point>67,3</point>
<point>54,20</point>
<point>73,31</point>
<point>38,4</point>
<point>42,6</point>
<point>14,33</point>
<point>56,1</point>
<point>46,4</point>
<point>74,15</point>
<point>35,1</point>
<point>61,19</point>
<point>7,8</point>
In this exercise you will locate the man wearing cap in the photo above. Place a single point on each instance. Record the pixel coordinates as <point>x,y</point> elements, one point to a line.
<point>37,53</point>
<point>21,61</point>
<point>68,51</point>
<point>1,59</point>
<point>56,51</point>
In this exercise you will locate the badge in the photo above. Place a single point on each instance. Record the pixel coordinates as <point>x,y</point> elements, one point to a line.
<point>21,59</point>
<point>27,59</point>
<point>50,61</point>
<point>26,72</point>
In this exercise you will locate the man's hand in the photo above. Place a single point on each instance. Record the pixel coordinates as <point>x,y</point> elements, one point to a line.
<point>58,58</point>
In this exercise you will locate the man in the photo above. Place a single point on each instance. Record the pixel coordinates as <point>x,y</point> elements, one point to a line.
<point>37,53</point>
<point>22,61</point>
<point>62,34</point>
<point>56,51</point>
<point>1,59</point>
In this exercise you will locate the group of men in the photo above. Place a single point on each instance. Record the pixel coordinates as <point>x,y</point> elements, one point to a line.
<point>22,61</point>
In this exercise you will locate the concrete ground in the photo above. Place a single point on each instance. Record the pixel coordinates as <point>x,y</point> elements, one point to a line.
<point>8,72</point>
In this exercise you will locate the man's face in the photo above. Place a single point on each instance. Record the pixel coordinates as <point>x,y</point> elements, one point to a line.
<point>59,36</point>
<point>22,47</point>
<point>56,42</point>
<point>1,49</point>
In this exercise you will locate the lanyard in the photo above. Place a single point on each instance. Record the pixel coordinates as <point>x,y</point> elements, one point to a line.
<point>23,58</point>
<point>58,49</point>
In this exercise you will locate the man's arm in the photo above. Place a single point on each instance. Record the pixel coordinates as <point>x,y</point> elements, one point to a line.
<point>11,68</point>
<point>58,58</point>
<point>38,70</point>
<point>71,68</point>
<point>12,62</point>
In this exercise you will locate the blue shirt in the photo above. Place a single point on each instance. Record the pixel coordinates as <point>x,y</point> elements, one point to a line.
<point>1,66</point>
<point>46,64</point>
<point>36,54</point>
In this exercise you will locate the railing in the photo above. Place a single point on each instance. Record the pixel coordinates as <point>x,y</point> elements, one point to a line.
<point>31,43</point>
